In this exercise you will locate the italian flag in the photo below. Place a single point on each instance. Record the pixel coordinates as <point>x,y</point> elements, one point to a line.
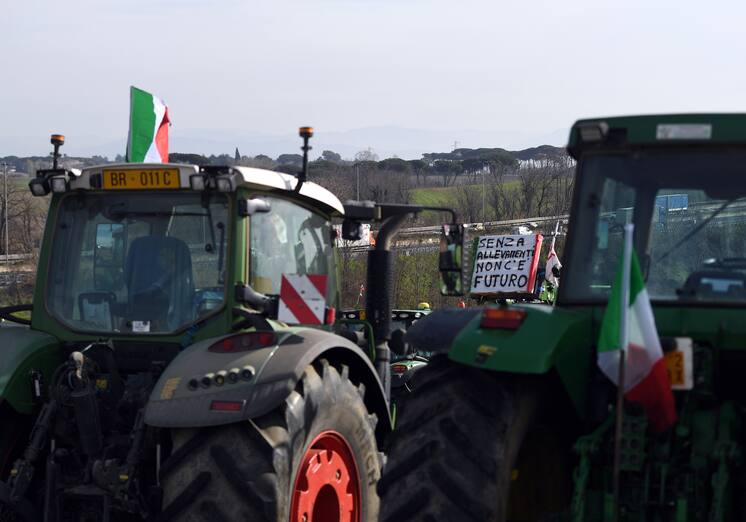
<point>645,376</point>
<point>148,137</point>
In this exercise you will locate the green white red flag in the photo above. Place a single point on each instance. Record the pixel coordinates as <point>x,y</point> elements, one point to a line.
<point>645,376</point>
<point>148,135</point>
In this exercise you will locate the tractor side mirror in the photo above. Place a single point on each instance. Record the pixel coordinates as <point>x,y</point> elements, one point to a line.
<point>352,230</point>
<point>450,260</point>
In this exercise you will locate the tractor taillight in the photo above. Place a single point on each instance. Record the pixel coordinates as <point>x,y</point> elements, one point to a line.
<point>399,368</point>
<point>244,342</point>
<point>229,406</point>
<point>502,318</point>
<point>330,315</point>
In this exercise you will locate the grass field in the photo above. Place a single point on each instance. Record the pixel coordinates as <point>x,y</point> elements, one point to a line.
<point>447,196</point>
<point>435,196</point>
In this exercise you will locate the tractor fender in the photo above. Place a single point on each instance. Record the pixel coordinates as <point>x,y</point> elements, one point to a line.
<point>548,338</point>
<point>21,351</point>
<point>277,370</point>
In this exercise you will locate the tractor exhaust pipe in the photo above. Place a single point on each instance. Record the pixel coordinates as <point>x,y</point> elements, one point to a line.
<point>380,294</point>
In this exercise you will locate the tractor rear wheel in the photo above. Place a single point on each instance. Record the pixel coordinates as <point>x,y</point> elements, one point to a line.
<point>468,447</point>
<point>313,459</point>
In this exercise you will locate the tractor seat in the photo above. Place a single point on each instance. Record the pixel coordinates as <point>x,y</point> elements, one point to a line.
<point>160,283</point>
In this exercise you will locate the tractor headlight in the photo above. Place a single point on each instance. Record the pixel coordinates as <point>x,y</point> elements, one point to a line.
<point>59,184</point>
<point>593,131</point>
<point>224,184</point>
<point>197,182</point>
<point>39,186</point>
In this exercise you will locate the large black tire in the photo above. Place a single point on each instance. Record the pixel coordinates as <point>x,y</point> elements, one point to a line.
<point>454,455</point>
<point>248,471</point>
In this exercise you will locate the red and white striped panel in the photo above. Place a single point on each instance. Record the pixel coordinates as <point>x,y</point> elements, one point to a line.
<point>302,299</point>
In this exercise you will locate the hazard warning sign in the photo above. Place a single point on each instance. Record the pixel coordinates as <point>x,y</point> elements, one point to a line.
<point>302,299</point>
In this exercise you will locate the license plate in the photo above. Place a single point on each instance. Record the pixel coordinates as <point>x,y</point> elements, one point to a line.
<point>139,179</point>
<point>680,365</point>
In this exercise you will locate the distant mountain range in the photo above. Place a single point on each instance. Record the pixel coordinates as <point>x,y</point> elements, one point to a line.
<point>406,143</point>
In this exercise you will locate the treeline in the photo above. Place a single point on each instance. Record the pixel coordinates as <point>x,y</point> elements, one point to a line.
<point>480,184</point>
<point>485,183</point>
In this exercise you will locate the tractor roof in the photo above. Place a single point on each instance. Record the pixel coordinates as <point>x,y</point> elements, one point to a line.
<point>92,178</point>
<point>666,130</point>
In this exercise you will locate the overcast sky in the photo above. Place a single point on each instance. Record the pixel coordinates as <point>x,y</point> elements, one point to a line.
<point>265,67</point>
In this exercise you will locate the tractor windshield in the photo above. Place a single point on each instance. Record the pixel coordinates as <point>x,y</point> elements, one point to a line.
<point>689,211</point>
<point>138,263</point>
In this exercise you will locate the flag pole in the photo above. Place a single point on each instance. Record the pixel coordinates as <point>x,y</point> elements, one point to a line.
<point>624,341</point>
<point>554,235</point>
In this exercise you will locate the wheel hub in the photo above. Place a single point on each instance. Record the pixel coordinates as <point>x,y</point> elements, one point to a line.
<point>326,487</point>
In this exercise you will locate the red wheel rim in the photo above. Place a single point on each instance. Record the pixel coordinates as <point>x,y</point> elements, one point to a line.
<point>326,487</point>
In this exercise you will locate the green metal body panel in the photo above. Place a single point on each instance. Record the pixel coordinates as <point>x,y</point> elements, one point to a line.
<point>548,338</point>
<point>565,338</point>
<point>23,350</point>
<point>724,328</point>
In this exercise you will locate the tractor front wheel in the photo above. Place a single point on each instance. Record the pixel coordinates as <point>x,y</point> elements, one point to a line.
<point>313,459</point>
<point>470,445</point>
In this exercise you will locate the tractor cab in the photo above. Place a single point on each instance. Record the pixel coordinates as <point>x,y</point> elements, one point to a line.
<point>683,187</point>
<point>146,249</point>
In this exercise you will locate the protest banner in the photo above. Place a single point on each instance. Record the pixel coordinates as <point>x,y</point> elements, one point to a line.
<point>505,264</point>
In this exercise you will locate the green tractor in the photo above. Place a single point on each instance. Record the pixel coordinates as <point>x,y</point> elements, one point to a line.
<point>159,376</point>
<point>513,419</point>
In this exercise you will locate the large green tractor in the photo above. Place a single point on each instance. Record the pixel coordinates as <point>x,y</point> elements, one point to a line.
<point>180,361</point>
<point>513,420</point>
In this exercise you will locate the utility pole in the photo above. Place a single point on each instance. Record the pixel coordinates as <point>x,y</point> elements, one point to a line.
<point>5,207</point>
<point>357,175</point>
<point>483,217</point>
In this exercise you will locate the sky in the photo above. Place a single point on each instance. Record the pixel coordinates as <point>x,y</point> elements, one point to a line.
<point>400,76</point>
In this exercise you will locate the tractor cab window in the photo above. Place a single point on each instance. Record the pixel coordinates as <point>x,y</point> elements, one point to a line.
<point>138,263</point>
<point>689,212</point>
<point>289,239</point>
